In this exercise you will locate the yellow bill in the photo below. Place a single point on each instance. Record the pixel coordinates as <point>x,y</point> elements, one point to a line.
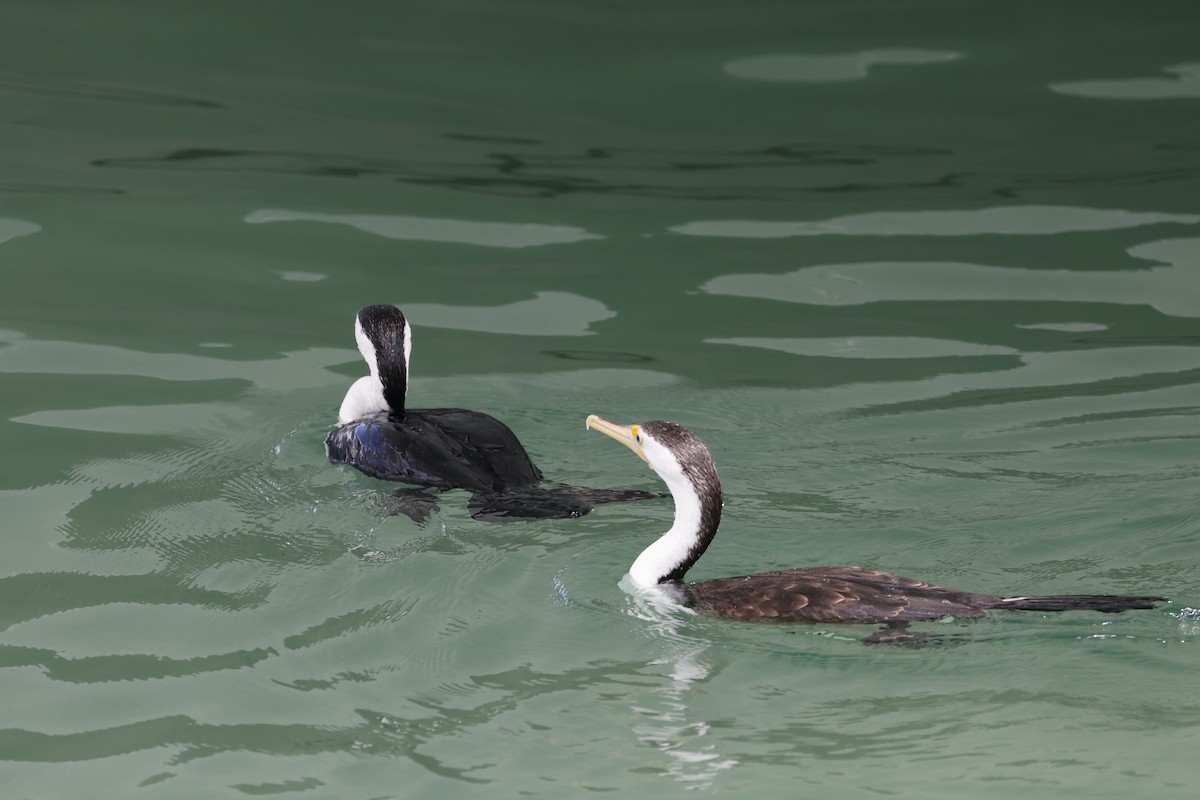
<point>628,435</point>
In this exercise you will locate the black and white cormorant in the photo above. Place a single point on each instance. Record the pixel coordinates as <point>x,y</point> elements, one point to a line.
<point>803,594</point>
<point>440,448</point>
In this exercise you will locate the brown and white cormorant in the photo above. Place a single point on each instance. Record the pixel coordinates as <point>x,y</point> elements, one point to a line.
<point>803,594</point>
<point>440,448</point>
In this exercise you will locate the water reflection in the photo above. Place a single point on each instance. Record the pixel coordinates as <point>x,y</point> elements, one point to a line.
<point>1172,289</point>
<point>432,229</point>
<point>670,724</point>
<point>833,67</point>
<point>1008,220</point>
<point>1186,83</point>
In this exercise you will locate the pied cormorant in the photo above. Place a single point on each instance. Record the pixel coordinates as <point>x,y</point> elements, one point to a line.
<point>803,594</point>
<point>440,448</point>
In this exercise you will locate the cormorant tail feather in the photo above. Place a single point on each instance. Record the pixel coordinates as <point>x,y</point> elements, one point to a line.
<point>1104,603</point>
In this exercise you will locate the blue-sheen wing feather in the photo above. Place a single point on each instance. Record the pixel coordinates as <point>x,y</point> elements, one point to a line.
<point>444,448</point>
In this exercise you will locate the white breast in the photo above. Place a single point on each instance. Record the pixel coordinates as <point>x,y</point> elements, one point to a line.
<point>365,397</point>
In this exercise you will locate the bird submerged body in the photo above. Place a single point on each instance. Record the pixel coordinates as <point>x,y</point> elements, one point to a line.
<point>440,448</point>
<point>803,594</point>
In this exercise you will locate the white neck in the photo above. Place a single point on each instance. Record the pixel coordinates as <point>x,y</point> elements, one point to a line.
<point>366,394</point>
<point>672,548</point>
<point>365,397</point>
<point>365,347</point>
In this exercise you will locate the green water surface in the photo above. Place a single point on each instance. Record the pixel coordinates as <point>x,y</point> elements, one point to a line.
<point>924,275</point>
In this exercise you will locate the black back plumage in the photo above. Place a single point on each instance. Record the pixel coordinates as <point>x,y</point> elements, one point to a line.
<point>447,448</point>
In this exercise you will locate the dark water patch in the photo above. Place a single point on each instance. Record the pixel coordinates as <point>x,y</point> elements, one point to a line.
<point>772,172</point>
<point>130,667</point>
<point>348,623</point>
<point>608,356</point>
<point>324,684</point>
<point>255,161</point>
<point>11,187</point>
<point>31,595</point>
<point>1039,185</point>
<point>673,174</point>
<point>490,138</point>
<point>261,789</point>
<point>380,735</point>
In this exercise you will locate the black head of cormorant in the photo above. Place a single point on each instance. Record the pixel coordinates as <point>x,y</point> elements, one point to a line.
<point>805,594</point>
<point>439,448</point>
<point>385,341</point>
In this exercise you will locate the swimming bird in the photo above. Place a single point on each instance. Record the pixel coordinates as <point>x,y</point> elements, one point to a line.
<point>803,594</point>
<point>440,448</point>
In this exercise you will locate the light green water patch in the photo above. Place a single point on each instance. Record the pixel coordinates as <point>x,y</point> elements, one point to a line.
<point>1006,220</point>
<point>484,234</point>
<point>832,67</point>
<point>547,314</point>
<point>12,228</point>
<point>1186,83</point>
<point>1172,289</point>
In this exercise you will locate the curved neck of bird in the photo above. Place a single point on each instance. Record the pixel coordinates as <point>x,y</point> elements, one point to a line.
<point>393,383</point>
<point>698,501</point>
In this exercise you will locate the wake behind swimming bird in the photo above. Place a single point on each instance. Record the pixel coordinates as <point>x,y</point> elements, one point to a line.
<point>802,594</point>
<point>440,448</point>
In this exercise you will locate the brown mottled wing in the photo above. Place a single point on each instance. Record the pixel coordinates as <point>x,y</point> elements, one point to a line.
<point>833,594</point>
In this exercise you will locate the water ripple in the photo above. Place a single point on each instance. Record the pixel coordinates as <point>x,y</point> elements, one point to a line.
<point>1030,220</point>
<point>292,371</point>
<point>1186,83</point>
<point>871,347</point>
<point>1173,289</point>
<point>126,667</point>
<point>833,67</point>
<point>30,596</point>
<point>535,168</point>
<point>431,229</point>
